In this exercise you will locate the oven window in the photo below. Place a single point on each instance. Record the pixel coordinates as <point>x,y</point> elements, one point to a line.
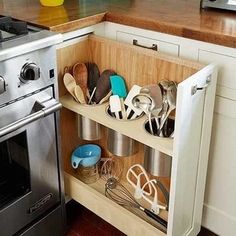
<point>14,169</point>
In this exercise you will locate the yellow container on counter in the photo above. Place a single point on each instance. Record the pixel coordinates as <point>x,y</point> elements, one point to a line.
<point>51,3</point>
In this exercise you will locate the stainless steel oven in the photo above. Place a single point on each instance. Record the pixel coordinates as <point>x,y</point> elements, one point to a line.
<point>31,188</point>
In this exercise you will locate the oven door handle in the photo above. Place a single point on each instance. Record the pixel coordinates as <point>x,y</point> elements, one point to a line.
<point>45,111</point>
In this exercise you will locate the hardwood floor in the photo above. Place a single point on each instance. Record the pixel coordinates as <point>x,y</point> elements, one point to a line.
<point>82,222</point>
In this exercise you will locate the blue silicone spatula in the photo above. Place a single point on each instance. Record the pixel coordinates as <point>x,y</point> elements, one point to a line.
<point>118,87</point>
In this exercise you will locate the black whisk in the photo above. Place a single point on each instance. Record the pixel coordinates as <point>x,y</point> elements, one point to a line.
<point>118,193</point>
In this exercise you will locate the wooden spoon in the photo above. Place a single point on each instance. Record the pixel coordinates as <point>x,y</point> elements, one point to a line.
<point>70,84</point>
<point>80,74</point>
<point>79,94</point>
<point>103,85</point>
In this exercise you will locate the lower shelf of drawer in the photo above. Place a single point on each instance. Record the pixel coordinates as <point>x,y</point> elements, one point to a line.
<point>92,197</point>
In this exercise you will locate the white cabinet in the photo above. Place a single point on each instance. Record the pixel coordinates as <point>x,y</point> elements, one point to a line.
<point>227,67</point>
<point>162,46</point>
<point>220,188</point>
<point>189,148</point>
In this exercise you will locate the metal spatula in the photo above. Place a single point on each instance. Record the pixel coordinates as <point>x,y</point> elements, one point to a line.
<point>154,91</point>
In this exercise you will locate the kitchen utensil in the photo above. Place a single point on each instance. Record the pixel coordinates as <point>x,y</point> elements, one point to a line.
<point>89,174</point>
<point>103,85</point>
<point>163,190</point>
<point>80,74</point>
<point>70,84</point>
<point>121,145</point>
<point>106,98</point>
<point>111,167</point>
<point>115,105</point>
<point>157,163</point>
<point>119,88</point>
<point>133,176</point>
<point>144,102</point>
<point>155,92</point>
<point>86,155</point>
<point>152,200</point>
<point>135,90</point>
<point>119,194</point>
<point>92,95</point>
<point>88,129</point>
<point>93,75</point>
<point>79,94</point>
<point>171,99</point>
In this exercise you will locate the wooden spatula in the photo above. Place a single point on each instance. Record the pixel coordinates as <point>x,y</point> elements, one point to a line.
<point>70,84</point>
<point>103,85</point>
<point>79,94</point>
<point>80,74</point>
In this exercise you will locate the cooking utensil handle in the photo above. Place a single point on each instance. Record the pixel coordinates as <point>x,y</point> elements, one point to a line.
<point>153,47</point>
<point>156,217</point>
<point>30,118</point>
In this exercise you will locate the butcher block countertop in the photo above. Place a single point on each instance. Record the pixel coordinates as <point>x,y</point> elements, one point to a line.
<point>177,17</point>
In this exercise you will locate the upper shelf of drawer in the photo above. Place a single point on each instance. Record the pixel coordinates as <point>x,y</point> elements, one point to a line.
<point>133,129</point>
<point>137,66</point>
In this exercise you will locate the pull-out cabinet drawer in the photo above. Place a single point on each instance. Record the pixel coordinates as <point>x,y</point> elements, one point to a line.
<point>188,149</point>
<point>158,45</point>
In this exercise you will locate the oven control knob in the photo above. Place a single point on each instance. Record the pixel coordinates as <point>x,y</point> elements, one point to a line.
<point>2,85</point>
<point>29,71</point>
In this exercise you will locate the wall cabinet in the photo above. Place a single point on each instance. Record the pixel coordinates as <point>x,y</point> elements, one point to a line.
<point>189,148</point>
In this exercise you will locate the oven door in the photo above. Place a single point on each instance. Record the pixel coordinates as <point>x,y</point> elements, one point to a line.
<point>29,170</point>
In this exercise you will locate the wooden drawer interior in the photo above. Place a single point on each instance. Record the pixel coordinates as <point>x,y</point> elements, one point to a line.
<point>138,66</point>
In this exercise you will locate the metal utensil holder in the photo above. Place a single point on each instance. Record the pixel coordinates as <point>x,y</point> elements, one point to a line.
<point>157,163</point>
<point>121,145</point>
<point>88,129</point>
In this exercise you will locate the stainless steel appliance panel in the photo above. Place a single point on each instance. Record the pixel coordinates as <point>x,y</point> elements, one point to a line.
<point>41,135</point>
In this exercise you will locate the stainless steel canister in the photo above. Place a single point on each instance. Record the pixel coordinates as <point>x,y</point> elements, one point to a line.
<point>88,129</point>
<point>121,145</point>
<point>156,162</point>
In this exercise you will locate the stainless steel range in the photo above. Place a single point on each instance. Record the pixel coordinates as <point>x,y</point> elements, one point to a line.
<point>31,193</point>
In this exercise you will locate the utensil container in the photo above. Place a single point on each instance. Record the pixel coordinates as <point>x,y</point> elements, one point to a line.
<point>89,174</point>
<point>167,130</point>
<point>121,145</point>
<point>88,129</point>
<point>157,163</point>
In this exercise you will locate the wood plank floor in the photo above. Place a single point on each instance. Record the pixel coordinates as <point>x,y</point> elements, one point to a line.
<point>82,222</point>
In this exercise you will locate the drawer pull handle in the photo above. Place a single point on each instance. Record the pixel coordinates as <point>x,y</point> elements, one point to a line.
<point>153,47</point>
<point>195,88</point>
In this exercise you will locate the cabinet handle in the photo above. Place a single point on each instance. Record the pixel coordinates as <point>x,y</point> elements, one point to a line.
<point>153,47</point>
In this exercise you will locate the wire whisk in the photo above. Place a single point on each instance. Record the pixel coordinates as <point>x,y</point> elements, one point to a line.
<point>119,194</point>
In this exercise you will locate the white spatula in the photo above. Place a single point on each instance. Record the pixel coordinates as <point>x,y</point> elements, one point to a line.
<point>115,105</point>
<point>128,102</point>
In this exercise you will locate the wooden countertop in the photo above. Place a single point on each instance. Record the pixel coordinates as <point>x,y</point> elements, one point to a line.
<point>177,17</point>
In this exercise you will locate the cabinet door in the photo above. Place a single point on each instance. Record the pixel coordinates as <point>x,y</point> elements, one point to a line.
<point>193,110</point>
<point>226,76</point>
<point>220,189</point>
<point>162,46</point>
